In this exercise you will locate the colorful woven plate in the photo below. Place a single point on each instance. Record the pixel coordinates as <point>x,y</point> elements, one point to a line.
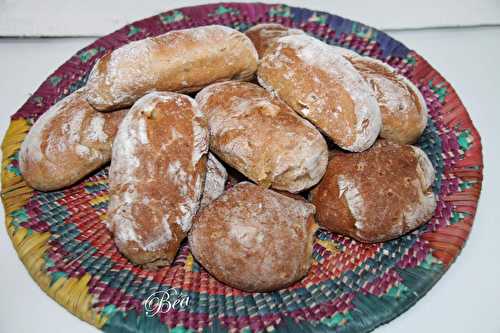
<point>352,287</point>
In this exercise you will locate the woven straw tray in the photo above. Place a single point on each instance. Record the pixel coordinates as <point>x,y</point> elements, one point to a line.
<point>61,239</point>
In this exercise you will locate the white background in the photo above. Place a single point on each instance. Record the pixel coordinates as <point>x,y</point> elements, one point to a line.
<point>460,39</point>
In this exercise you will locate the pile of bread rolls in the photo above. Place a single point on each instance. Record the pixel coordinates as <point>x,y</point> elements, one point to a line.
<point>304,142</point>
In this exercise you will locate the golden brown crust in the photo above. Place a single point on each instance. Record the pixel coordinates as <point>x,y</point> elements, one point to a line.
<point>403,109</point>
<point>66,143</point>
<point>265,34</point>
<point>182,61</point>
<point>254,239</point>
<point>376,195</point>
<point>156,177</point>
<point>323,87</point>
<point>262,137</point>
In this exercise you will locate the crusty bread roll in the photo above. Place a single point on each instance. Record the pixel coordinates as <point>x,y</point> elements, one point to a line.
<point>324,88</point>
<point>181,61</point>
<point>254,239</point>
<point>67,142</point>
<point>156,177</point>
<point>264,34</point>
<point>403,108</point>
<point>261,137</point>
<point>215,180</point>
<point>376,195</point>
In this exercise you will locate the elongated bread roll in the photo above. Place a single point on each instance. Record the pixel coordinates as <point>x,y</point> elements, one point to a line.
<point>261,137</point>
<point>265,34</point>
<point>181,61</point>
<point>254,239</point>
<point>67,142</point>
<point>156,177</point>
<point>324,88</point>
<point>403,108</point>
<point>376,195</point>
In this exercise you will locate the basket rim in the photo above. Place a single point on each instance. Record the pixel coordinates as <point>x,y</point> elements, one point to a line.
<point>19,126</point>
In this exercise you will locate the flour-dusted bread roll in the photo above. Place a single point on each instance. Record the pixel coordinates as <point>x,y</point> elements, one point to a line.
<point>264,34</point>
<point>67,142</point>
<point>261,137</point>
<point>403,108</point>
<point>254,239</point>
<point>324,88</point>
<point>376,195</point>
<point>181,61</point>
<point>215,180</point>
<point>156,177</point>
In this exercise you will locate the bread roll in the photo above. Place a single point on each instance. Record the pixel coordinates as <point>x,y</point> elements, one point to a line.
<point>264,34</point>
<point>215,180</point>
<point>156,177</point>
<point>67,142</point>
<point>261,137</point>
<point>376,195</point>
<point>402,106</point>
<point>324,88</point>
<point>181,61</point>
<point>254,239</point>
<point>403,109</point>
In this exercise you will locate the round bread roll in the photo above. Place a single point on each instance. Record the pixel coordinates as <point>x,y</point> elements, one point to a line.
<point>403,108</point>
<point>180,60</point>
<point>254,239</point>
<point>376,195</point>
<point>215,180</point>
<point>156,177</point>
<point>264,34</point>
<point>261,137</point>
<point>69,141</point>
<point>324,88</point>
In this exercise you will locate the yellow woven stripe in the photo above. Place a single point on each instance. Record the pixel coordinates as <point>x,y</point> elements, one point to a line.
<point>31,246</point>
<point>329,245</point>
<point>99,199</point>
<point>188,264</point>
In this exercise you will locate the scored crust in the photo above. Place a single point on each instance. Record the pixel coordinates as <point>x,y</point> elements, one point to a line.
<point>69,141</point>
<point>402,106</point>
<point>324,88</point>
<point>156,177</point>
<point>261,137</point>
<point>181,60</point>
<point>254,239</point>
<point>265,34</point>
<point>376,195</point>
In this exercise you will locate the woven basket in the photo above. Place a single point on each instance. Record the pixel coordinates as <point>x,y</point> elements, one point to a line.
<point>352,287</point>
